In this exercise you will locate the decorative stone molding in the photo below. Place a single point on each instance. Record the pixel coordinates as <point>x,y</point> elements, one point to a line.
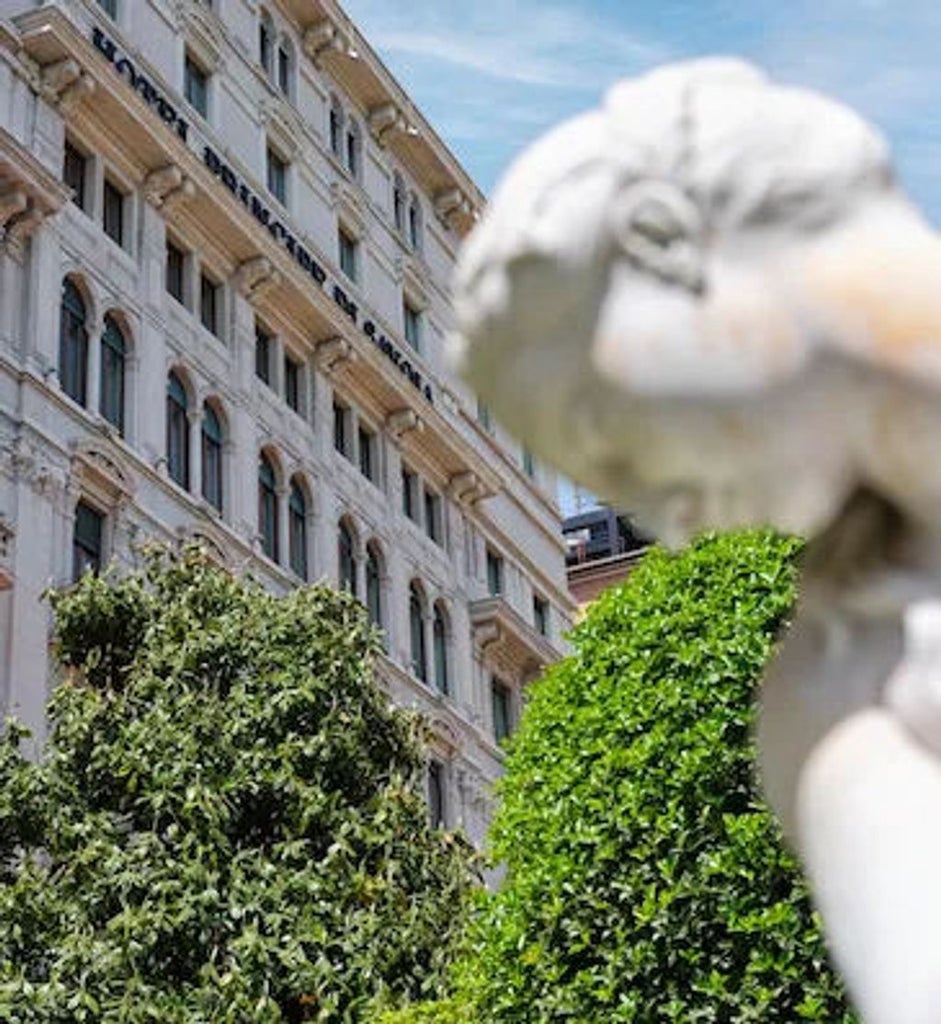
<point>256,276</point>
<point>454,208</point>
<point>63,83</point>
<point>12,202</point>
<point>385,120</point>
<point>466,488</point>
<point>402,421</point>
<point>20,228</point>
<point>103,473</point>
<point>323,38</point>
<point>333,353</point>
<point>348,201</point>
<point>167,186</point>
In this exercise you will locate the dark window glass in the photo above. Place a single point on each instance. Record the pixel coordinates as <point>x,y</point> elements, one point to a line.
<point>262,354</point>
<point>284,70</point>
<point>500,703</point>
<point>341,429</point>
<point>113,360</point>
<point>267,508</point>
<point>416,620</point>
<point>212,457</point>
<point>352,151</point>
<point>436,795</point>
<point>410,494</point>
<point>264,43</point>
<point>367,455</point>
<point>73,174</point>
<point>336,129</point>
<point>374,586</point>
<point>347,249</point>
<point>440,639</point>
<point>277,176</point>
<point>414,223</point>
<point>113,213</point>
<point>110,7</point>
<point>292,383</point>
<point>176,263</point>
<point>433,516</point>
<point>346,559</point>
<point>529,463</point>
<point>178,434</point>
<point>196,86</point>
<point>209,304</point>
<point>412,319</point>
<point>494,574</point>
<point>398,203</point>
<point>297,530</point>
<point>86,540</point>
<point>483,415</point>
<point>541,615</point>
<point>73,344</point>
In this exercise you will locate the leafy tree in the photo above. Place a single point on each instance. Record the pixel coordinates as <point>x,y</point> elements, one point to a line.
<point>228,824</point>
<point>646,881</point>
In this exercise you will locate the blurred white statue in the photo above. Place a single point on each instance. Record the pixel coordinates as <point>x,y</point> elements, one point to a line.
<point>709,303</point>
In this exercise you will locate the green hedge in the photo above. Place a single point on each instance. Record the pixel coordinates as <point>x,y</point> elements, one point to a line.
<point>230,823</point>
<point>646,880</point>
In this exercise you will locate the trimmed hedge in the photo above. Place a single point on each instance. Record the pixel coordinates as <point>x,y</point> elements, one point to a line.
<point>229,825</point>
<point>646,880</point>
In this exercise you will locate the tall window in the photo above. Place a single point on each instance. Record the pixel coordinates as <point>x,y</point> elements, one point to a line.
<point>353,148</point>
<point>113,359</point>
<point>410,494</point>
<point>263,341</point>
<point>265,41</point>
<point>86,540</point>
<point>346,558</point>
<point>374,585</point>
<point>196,86</point>
<point>292,383</point>
<point>529,463</point>
<point>113,212</point>
<point>416,621</point>
<point>178,435</point>
<point>210,312</point>
<point>74,166</point>
<point>346,245</point>
<point>436,808</point>
<point>414,223</point>
<point>336,128</point>
<point>501,708</point>
<point>297,530</point>
<point>277,176</point>
<point>367,454</point>
<point>73,343</point>
<point>398,202</point>
<point>110,7</point>
<point>494,573</point>
<point>541,615</point>
<point>175,271</point>
<point>433,525</point>
<point>342,430</point>
<point>484,418</point>
<point>440,642</point>
<point>268,507</point>
<point>412,321</point>
<point>285,63</point>
<point>212,438</point>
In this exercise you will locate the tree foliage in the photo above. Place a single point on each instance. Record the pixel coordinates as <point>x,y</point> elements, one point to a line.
<point>646,881</point>
<point>228,824</point>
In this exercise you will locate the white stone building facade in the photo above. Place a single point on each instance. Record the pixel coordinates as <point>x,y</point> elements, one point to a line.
<point>226,236</point>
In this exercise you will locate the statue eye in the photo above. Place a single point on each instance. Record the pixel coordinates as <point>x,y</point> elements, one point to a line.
<point>654,220</point>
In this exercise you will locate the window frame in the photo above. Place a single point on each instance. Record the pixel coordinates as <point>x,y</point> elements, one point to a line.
<point>179,463</point>
<point>196,74</point>
<point>501,696</point>
<point>114,219</point>
<point>74,160</point>
<point>73,343</point>
<point>297,531</point>
<point>418,643</point>
<point>83,558</point>
<point>210,287</point>
<point>277,168</point>
<point>212,443</point>
<point>496,573</point>
<point>348,253</point>
<point>112,391</point>
<point>268,510</point>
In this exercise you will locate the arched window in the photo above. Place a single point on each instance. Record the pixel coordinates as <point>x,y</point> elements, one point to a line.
<point>285,69</point>
<point>113,359</point>
<point>440,643</point>
<point>416,623</point>
<point>374,584</point>
<point>336,128</point>
<point>265,41</point>
<point>354,146</point>
<point>73,343</point>
<point>178,433</point>
<point>414,223</point>
<point>398,202</point>
<point>297,529</point>
<point>268,507</point>
<point>212,457</point>
<point>346,555</point>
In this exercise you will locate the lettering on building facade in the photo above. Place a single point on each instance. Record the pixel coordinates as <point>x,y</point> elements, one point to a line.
<point>261,213</point>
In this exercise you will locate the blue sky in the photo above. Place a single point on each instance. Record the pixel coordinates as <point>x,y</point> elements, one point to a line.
<point>492,75</point>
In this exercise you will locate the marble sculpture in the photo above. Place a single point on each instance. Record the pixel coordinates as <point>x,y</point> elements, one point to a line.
<point>709,302</point>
